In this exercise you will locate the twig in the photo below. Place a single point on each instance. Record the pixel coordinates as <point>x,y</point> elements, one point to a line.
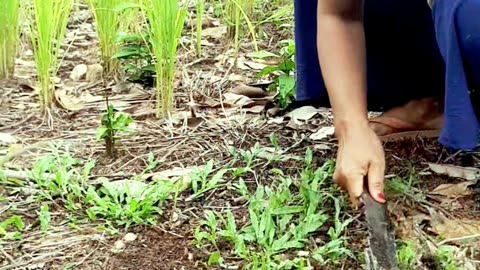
<point>12,261</point>
<point>458,239</point>
<point>19,123</point>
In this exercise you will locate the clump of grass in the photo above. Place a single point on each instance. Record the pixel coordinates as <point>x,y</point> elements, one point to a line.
<point>234,12</point>
<point>108,25</point>
<point>165,19</point>
<point>9,37</point>
<point>47,34</point>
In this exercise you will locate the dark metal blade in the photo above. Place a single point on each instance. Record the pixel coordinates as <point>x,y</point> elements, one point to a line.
<point>381,253</point>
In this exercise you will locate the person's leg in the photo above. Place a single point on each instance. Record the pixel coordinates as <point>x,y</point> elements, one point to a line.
<point>457,30</point>
<point>403,61</point>
<point>310,88</point>
<point>468,26</point>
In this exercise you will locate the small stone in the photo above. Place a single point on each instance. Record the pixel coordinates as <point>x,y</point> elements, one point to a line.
<point>94,73</point>
<point>118,247</point>
<point>78,72</point>
<point>129,237</point>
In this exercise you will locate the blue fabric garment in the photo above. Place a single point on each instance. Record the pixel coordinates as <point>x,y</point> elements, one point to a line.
<point>458,34</point>
<point>412,53</point>
<point>403,60</point>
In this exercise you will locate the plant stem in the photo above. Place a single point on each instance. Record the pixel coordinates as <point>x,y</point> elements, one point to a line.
<point>199,27</point>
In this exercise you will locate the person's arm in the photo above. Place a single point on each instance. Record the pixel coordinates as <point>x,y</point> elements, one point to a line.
<point>342,56</point>
<point>341,48</point>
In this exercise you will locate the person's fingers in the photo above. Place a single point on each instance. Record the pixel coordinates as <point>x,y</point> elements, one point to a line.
<point>376,175</point>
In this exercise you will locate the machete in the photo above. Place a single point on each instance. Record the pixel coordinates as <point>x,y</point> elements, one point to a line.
<point>380,254</point>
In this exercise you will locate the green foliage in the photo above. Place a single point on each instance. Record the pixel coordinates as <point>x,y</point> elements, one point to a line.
<point>283,73</point>
<point>128,203</point>
<point>136,55</point>
<point>280,221</point>
<point>17,225</point>
<point>44,217</point>
<point>9,37</point>
<point>201,182</point>
<point>445,258</point>
<point>407,255</point>
<point>123,203</point>
<point>113,123</point>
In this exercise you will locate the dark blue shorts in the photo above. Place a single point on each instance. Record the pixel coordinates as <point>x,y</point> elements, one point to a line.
<point>412,53</point>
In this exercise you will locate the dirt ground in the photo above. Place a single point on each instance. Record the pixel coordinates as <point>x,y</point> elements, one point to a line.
<point>206,124</point>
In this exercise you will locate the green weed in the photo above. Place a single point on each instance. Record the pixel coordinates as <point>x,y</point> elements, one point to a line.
<point>113,123</point>
<point>281,221</point>
<point>407,255</point>
<point>284,81</point>
<point>16,224</point>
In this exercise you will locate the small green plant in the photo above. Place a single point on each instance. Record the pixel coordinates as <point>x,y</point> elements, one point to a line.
<point>113,123</point>
<point>61,175</point>
<point>136,55</point>
<point>201,182</point>
<point>283,73</point>
<point>166,21</point>
<point>47,33</point>
<point>445,258</point>
<point>129,203</point>
<point>407,255</point>
<point>44,217</point>
<point>14,222</point>
<point>9,37</point>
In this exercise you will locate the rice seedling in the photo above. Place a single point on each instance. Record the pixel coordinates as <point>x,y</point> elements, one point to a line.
<point>234,14</point>
<point>130,19</point>
<point>249,8</point>
<point>47,33</point>
<point>166,20</point>
<point>200,11</point>
<point>108,25</point>
<point>9,37</point>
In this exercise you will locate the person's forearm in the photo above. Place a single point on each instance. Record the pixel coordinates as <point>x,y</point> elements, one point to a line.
<point>341,52</point>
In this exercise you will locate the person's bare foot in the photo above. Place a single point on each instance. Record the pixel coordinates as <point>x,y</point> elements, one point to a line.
<point>418,115</point>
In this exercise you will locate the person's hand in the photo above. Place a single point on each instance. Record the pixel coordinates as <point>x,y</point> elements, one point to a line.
<point>360,157</point>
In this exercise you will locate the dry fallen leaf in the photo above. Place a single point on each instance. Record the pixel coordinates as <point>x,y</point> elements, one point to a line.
<point>454,190</point>
<point>449,228</point>
<point>214,32</point>
<point>303,113</point>
<point>68,102</point>
<point>277,120</point>
<point>249,91</point>
<point>467,173</point>
<point>255,109</point>
<point>235,99</point>
<point>322,133</point>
